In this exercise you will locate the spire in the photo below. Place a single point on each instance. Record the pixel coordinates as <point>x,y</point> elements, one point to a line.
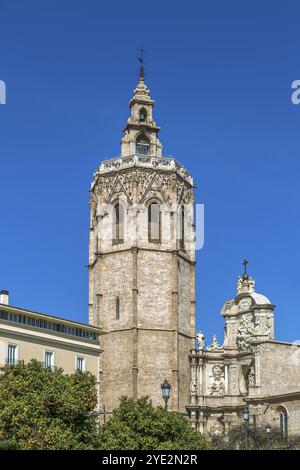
<point>245,282</point>
<point>141,59</point>
<point>141,94</point>
<point>141,132</point>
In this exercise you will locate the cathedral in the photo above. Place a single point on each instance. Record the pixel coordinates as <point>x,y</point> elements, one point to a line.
<point>142,292</point>
<point>141,327</point>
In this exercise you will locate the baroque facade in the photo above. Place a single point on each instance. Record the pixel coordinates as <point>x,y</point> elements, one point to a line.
<point>249,369</point>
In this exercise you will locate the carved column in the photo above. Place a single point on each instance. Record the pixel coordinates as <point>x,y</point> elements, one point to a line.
<point>233,379</point>
<point>193,418</point>
<point>200,374</point>
<point>257,365</point>
<point>193,384</point>
<point>226,378</point>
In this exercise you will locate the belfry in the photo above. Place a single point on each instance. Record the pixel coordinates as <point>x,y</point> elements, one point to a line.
<point>142,264</point>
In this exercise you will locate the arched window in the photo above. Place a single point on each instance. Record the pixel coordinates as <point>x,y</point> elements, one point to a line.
<point>142,115</point>
<point>118,224</point>
<point>154,219</point>
<point>142,144</point>
<point>283,421</point>
<point>181,227</point>
<point>117,308</point>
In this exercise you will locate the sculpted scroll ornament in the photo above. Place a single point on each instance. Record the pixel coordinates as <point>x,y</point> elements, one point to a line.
<point>245,333</point>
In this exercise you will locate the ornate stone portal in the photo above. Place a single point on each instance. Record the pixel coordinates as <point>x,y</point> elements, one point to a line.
<point>247,369</point>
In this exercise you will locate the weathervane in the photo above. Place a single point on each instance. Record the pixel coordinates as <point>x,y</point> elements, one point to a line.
<point>141,59</point>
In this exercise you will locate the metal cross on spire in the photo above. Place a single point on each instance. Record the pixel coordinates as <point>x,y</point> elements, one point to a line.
<point>245,263</point>
<point>141,59</point>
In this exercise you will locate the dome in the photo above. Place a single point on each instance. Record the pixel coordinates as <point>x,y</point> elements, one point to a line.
<point>260,299</point>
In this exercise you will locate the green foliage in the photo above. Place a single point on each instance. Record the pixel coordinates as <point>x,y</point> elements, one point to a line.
<point>7,445</point>
<point>137,425</point>
<point>258,439</point>
<point>45,409</point>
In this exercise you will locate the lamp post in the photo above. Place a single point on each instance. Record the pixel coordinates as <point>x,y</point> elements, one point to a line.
<point>269,431</point>
<point>165,388</point>
<point>104,411</point>
<point>246,416</point>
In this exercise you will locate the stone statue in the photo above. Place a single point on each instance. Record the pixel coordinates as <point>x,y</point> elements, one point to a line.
<point>245,333</point>
<point>251,377</point>
<point>193,387</point>
<point>217,387</point>
<point>201,340</point>
<point>217,429</point>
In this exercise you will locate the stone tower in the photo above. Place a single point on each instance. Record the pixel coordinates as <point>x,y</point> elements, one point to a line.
<point>142,265</point>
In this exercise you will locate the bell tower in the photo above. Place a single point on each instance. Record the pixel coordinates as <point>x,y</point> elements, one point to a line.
<point>141,131</point>
<point>142,264</point>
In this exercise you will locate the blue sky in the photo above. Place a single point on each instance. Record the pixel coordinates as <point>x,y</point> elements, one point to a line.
<point>221,75</point>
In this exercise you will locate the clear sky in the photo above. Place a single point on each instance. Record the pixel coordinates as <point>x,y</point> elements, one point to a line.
<point>220,73</point>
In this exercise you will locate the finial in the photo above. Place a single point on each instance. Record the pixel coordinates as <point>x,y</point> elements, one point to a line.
<point>245,282</point>
<point>141,59</point>
<point>245,263</point>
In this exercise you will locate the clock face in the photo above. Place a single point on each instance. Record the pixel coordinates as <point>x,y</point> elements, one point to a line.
<point>245,303</point>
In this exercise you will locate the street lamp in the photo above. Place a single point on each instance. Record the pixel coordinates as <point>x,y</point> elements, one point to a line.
<point>246,416</point>
<point>165,388</point>
<point>269,430</point>
<point>104,411</point>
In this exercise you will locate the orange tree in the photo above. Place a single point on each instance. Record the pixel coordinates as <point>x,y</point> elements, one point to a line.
<point>45,409</point>
<point>137,425</point>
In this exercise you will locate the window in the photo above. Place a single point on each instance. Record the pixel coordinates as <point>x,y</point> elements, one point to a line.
<point>39,323</point>
<point>80,364</point>
<point>283,421</point>
<point>142,144</point>
<point>142,115</point>
<point>181,225</point>
<point>12,354</point>
<point>118,224</point>
<point>154,223</point>
<point>49,359</point>
<point>117,308</point>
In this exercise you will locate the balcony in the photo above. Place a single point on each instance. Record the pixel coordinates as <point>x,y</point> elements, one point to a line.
<point>144,161</point>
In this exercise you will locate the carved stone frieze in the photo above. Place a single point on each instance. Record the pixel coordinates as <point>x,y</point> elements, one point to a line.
<point>216,385</point>
<point>245,333</point>
<point>263,323</point>
<point>244,303</point>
